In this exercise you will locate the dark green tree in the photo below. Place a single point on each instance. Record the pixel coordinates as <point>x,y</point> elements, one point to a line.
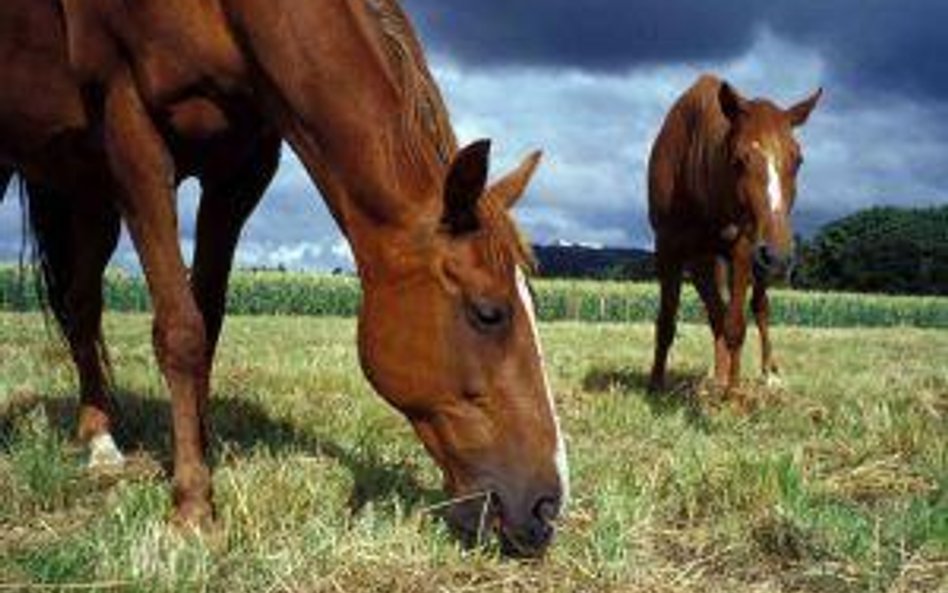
<point>889,250</point>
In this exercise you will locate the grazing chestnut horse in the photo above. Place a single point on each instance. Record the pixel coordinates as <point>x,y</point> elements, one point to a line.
<point>106,105</point>
<point>722,183</point>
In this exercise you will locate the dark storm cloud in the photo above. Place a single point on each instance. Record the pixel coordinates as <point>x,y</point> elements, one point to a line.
<point>597,34</point>
<point>879,45</point>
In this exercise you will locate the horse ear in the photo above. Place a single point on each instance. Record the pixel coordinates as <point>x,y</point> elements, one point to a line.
<point>732,103</point>
<point>512,187</point>
<point>464,186</point>
<point>800,112</point>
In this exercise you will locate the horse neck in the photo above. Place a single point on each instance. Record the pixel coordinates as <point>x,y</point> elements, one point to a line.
<point>711,175</point>
<point>344,107</point>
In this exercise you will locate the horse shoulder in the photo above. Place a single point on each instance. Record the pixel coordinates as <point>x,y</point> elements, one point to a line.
<point>172,46</point>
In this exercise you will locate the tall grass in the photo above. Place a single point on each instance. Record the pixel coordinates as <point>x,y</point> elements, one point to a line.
<point>297,294</point>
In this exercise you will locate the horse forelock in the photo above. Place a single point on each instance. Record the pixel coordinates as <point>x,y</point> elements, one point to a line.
<point>502,242</point>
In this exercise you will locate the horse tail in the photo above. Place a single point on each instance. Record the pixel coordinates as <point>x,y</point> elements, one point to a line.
<point>49,229</point>
<point>46,249</point>
<point>5,176</point>
<point>19,297</point>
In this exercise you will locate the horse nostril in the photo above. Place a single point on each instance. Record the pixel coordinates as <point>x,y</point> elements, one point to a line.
<point>547,509</point>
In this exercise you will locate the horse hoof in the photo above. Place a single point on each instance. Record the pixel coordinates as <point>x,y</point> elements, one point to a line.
<point>656,383</point>
<point>193,516</point>
<point>103,453</point>
<point>773,380</point>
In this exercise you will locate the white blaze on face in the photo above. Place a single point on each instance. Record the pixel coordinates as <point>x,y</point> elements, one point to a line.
<point>559,455</point>
<point>774,185</point>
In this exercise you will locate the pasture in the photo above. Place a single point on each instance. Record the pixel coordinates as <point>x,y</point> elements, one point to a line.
<point>836,482</point>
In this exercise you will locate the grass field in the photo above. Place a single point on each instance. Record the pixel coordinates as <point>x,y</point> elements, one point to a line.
<point>837,482</point>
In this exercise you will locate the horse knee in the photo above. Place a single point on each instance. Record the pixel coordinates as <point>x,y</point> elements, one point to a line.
<point>759,305</point>
<point>734,334</point>
<point>181,343</point>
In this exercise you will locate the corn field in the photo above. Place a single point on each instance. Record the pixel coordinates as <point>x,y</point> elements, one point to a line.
<point>313,295</point>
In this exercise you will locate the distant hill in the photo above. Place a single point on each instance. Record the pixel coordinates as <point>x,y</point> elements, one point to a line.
<point>879,250</point>
<point>583,261</point>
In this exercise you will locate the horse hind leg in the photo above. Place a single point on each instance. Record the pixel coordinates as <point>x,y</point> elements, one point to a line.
<point>75,237</point>
<point>760,305</point>
<point>709,276</point>
<point>670,276</point>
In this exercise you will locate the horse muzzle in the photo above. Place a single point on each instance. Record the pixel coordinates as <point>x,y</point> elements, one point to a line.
<point>771,264</point>
<point>530,536</point>
<point>523,532</point>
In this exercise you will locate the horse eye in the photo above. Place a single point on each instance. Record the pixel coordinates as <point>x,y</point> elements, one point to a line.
<point>487,316</point>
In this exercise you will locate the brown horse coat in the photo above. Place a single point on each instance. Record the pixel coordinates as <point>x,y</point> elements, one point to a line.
<point>108,103</point>
<point>722,183</point>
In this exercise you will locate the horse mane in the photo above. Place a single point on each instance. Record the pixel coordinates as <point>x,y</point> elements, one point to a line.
<point>708,131</point>
<point>425,114</point>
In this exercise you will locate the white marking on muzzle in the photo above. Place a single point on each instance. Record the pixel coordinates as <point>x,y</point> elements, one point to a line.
<point>559,455</point>
<point>103,452</point>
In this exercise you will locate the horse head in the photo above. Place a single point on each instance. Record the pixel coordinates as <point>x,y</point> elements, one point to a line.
<point>765,159</point>
<point>450,339</point>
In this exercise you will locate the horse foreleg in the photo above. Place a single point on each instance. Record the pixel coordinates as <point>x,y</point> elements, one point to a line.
<point>706,275</point>
<point>144,172</point>
<point>760,305</point>
<point>735,323</point>
<point>228,200</point>
<point>670,273</point>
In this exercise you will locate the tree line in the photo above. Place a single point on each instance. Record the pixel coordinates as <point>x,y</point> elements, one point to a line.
<point>880,250</point>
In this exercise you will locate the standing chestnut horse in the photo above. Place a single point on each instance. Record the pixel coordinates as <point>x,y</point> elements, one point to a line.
<point>722,182</point>
<point>107,105</point>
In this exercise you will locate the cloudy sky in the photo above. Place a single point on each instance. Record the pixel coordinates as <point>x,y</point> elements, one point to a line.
<point>589,82</point>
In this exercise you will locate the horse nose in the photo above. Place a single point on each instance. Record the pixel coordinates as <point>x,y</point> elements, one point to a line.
<point>765,256</point>
<point>547,509</point>
<point>769,262</point>
<point>532,535</point>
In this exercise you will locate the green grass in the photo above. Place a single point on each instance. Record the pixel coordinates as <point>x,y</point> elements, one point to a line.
<point>314,295</point>
<point>837,482</point>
